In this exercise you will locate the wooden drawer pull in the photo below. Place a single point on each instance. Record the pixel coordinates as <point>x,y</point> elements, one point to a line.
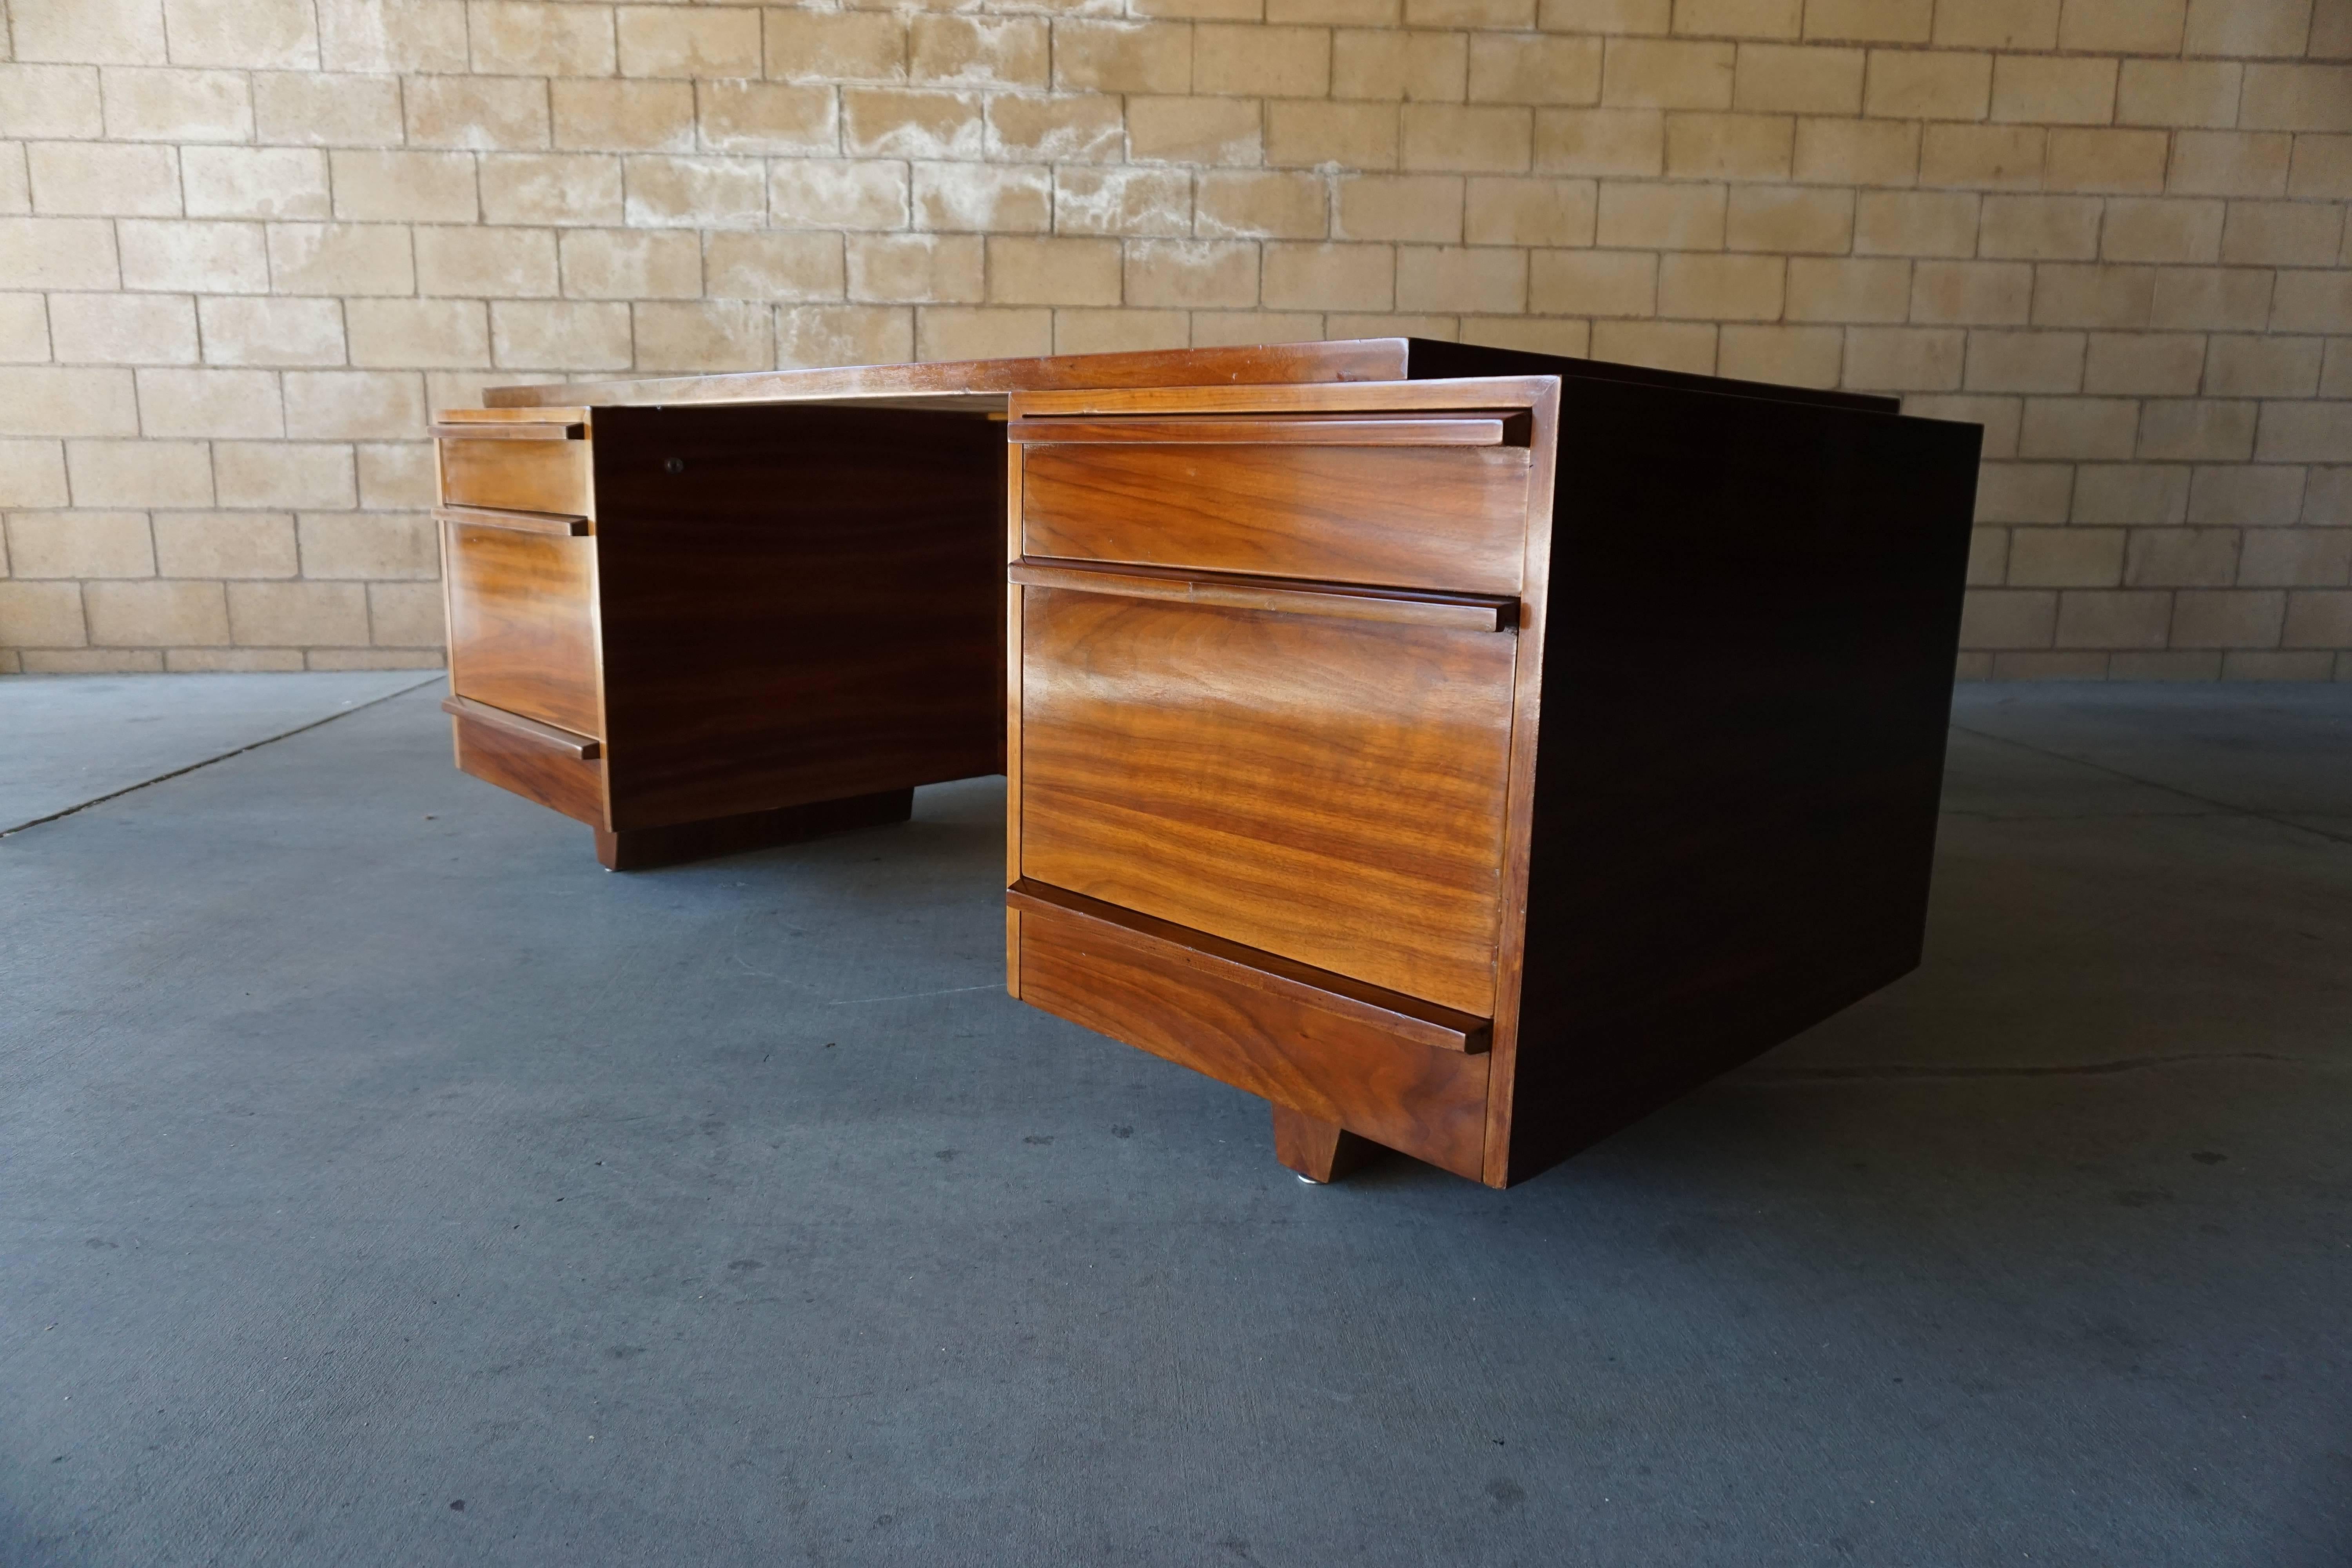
<point>1455,612</point>
<point>508,430</point>
<point>583,748</point>
<point>1471,432</point>
<point>1407,1018</point>
<point>563,524</point>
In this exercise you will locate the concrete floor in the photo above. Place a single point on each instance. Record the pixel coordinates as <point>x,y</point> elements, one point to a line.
<point>365,1151</point>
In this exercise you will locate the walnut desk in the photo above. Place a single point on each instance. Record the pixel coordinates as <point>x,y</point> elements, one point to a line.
<point>1467,758</point>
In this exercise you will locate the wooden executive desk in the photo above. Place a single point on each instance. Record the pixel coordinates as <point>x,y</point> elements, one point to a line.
<point>1467,751</point>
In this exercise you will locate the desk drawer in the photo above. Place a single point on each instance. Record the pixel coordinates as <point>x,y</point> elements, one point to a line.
<point>1434,502</point>
<point>1328,789</point>
<point>561,771</point>
<point>522,623</point>
<point>516,465</point>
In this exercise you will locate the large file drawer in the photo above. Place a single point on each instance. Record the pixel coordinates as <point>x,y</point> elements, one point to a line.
<point>1328,788</point>
<point>522,622</point>
<point>1434,502</point>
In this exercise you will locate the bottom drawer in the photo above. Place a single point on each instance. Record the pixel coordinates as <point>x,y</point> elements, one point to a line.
<point>559,770</point>
<point>1399,1071</point>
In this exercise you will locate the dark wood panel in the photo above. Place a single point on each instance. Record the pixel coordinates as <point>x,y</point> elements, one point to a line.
<point>1363,359</point>
<point>1430,1104</point>
<point>530,766</point>
<point>1747,684</point>
<point>1391,431</point>
<point>1434,359</point>
<point>800,605</point>
<point>518,476</point>
<point>1392,606</point>
<point>647,848</point>
<point>1327,789</point>
<point>1414,517</point>
<point>1405,1018</point>
<point>522,626</point>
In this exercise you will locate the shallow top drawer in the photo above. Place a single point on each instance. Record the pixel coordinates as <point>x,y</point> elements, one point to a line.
<point>516,465</point>
<point>1426,500</point>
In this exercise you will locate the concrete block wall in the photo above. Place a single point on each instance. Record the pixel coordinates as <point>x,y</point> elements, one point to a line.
<point>246,244</point>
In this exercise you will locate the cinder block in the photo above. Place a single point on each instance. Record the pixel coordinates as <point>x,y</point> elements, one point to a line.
<point>2144,365</point>
<point>2079,428</point>
<point>630,116</point>
<point>703,336</point>
<point>2321,167</point>
<point>187,660</point>
<point>2304,433</point>
<point>1225,131</point>
<point>1505,68</point>
<point>156,613</point>
<point>961,332</point>
<point>1225,329</point>
<point>1544,211</point>
<point>838,193</point>
<point>2229,163</point>
<point>2308,301</point>
<point>202,258</point>
<point>1340,135</point>
<point>762,117</point>
<point>422,333</point>
<point>2092,296</point>
<point>101,32</point>
<point>326,110</point>
<point>1997,618</point>
<point>296,614</point>
<point>2009,157</point>
<point>41,615</point>
<point>119,328</point>
<point>2171,229</point>
<point>1630,141</point>
<point>1393,65</point>
<point>145,473</point>
<point>661,191</point>
<point>550,336</point>
<point>1261,61</point>
<point>2025,361</point>
<point>1788,357</point>
<point>2319,621</point>
<point>2197,431</point>
<point>2228,619</point>
<point>206,403</point>
<point>1850,290</point>
<point>1122,56</point>
<point>1236,205</point>
<point>489,114</point>
<point>1663,217</point>
<point>1488,280</point>
<point>1399,207</point>
<point>1740,19</point>
<point>354,405</point>
<point>1329,277</point>
<point>917,268</point>
<point>1869,21</point>
<point>144,104</point>
<point>1190,273</point>
<point>1998,25</point>
<point>1971,293</point>
<point>1903,84</point>
<point>829,47</point>
<point>2053,89</point>
<point>33,473</point>
<point>1730,146</point>
<point>2115,618</point>
<point>267,35</point>
<point>519,37</point>
<point>688,41</point>
<point>367,545</point>
<point>1663,346</point>
<point>1790,219</point>
<point>97,179</point>
<point>980,51</point>
<point>1052,271</point>
<point>844,335</point>
<point>2199,93</point>
<point>284,475</point>
<point>610,263</point>
<point>416,36</point>
<point>1593,282</point>
<point>1645,73</point>
<point>983,198</point>
<point>404,187</point>
<point>340,259</point>
<point>480,262</point>
<point>2221,299</point>
<point>1857,152</point>
<point>1083,332</point>
<point>2247,28</point>
<point>2040,228</point>
<point>83,545</point>
<point>895,122</point>
<point>2142,494</point>
<point>396,474</point>
<point>1916,223</point>
<point>1777,78</point>
<point>1988,557</point>
<point>254,182</point>
<point>1721,288</point>
<point>2283,234</point>
<point>2182,557</point>
<point>1155,203</point>
<point>1067,129</point>
<point>406,615</point>
<point>774,266</point>
<point>45,400</point>
<point>2262,366</point>
<point>2262,496</point>
<point>1571,338</point>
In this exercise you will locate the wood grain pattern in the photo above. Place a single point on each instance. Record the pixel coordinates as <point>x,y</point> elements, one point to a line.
<point>518,476</point>
<point>649,848</point>
<point>1330,791</point>
<point>1393,608</point>
<point>1408,1019</point>
<point>799,605</point>
<point>1452,397</point>
<point>1364,358</point>
<point>579,748</point>
<point>1325,432</point>
<point>563,526</point>
<point>534,768</point>
<point>1321,1152</point>
<point>522,623</point>
<point>1418,517</point>
<point>506,430</point>
<point>1430,1104</point>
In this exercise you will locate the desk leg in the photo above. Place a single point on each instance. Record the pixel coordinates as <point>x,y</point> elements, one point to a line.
<point>1318,1150</point>
<point>643,848</point>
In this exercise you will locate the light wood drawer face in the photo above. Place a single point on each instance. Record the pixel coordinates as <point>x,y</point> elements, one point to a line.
<point>537,768</point>
<point>1329,790</point>
<point>1430,1103</point>
<point>1426,517</point>
<point>517,475</point>
<point>522,625</point>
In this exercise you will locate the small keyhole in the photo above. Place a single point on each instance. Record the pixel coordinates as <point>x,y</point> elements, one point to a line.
<point>673,464</point>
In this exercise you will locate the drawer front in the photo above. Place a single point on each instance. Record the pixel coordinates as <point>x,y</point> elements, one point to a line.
<point>1429,1104</point>
<point>1329,790</point>
<point>522,623</point>
<point>536,767</point>
<point>1432,517</point>
<point>549,476</point>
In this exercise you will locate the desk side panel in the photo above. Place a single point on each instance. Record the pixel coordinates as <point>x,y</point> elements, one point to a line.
<point>1755,608</point>
<point>800,604</point>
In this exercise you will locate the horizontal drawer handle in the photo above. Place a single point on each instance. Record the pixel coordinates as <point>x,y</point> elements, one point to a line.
<point>1480,431</point>
<point>561,523</point>
<point>1408,1019</point>
<point>508,430</point>
<point>1456,611</point>
<point>583,748</point>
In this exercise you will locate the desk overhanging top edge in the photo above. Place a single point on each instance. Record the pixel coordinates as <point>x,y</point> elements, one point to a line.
<point>985,383</point>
